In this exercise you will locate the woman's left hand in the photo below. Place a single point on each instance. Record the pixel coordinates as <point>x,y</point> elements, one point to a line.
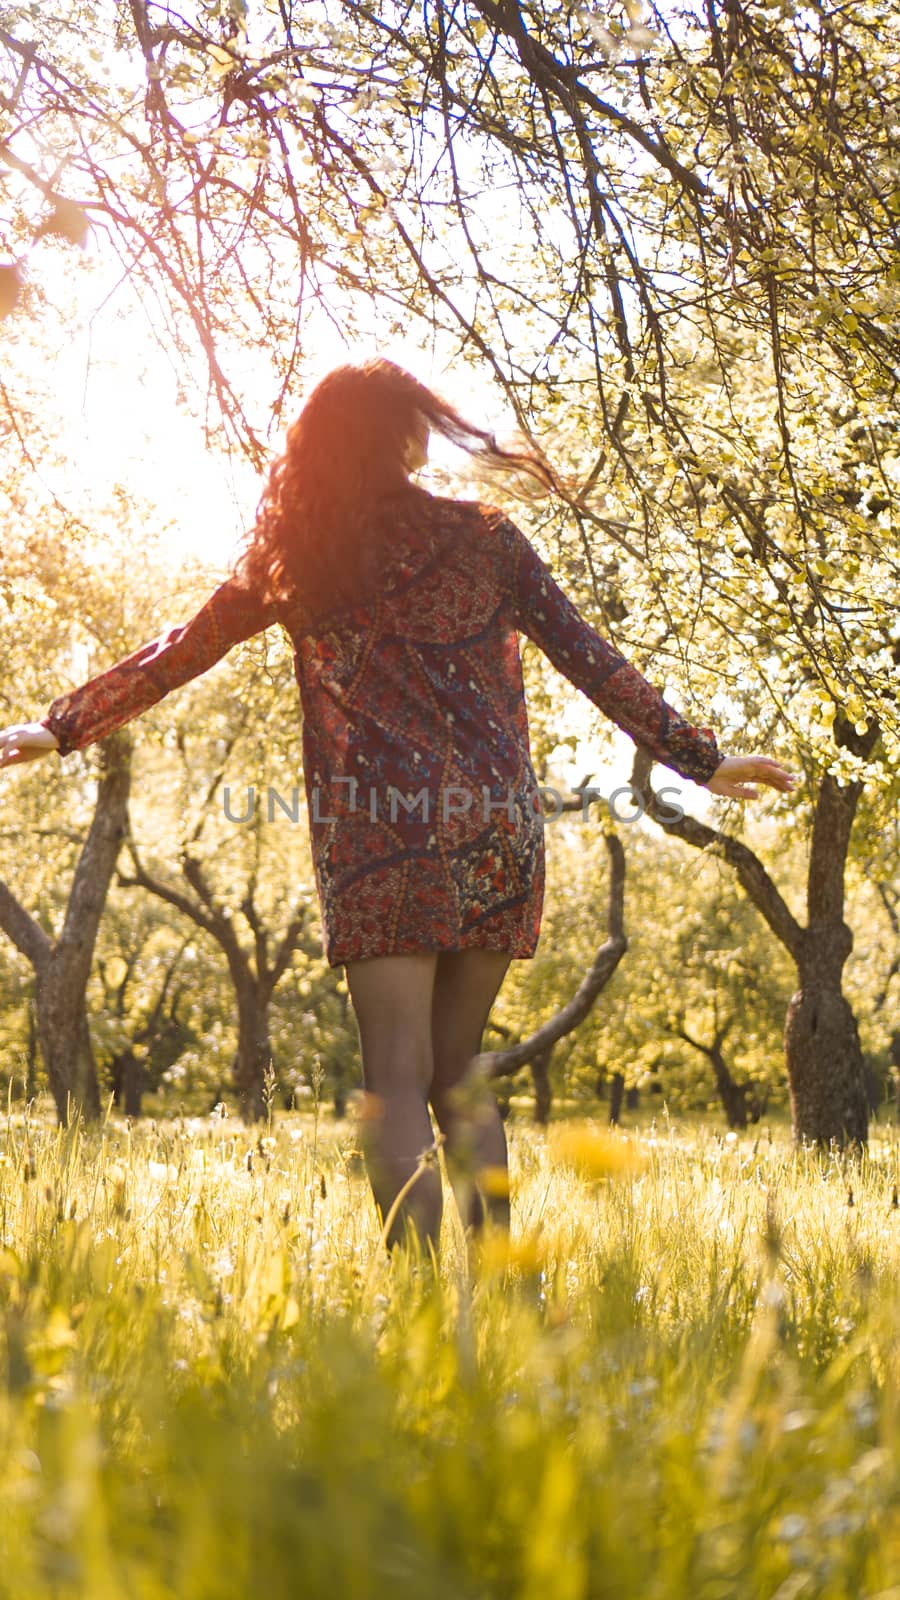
<point>736,776</point>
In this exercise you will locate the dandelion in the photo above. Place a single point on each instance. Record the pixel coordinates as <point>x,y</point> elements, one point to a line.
<point>494,1182</point>
<point>498,1253</point>
<point>596,1153</point>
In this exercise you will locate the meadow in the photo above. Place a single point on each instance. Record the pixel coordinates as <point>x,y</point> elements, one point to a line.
<point>680,1376</point>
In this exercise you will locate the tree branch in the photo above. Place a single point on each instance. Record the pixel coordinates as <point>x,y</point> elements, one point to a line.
<point>499,1063</point>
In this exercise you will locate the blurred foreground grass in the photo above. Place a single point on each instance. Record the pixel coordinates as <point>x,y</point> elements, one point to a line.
<point>681,1378</point>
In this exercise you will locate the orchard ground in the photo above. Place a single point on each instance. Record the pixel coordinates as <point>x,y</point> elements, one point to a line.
<point>680,1375</point>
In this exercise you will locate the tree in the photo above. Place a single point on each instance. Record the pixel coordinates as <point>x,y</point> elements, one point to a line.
<point>238,843</point>
<point>537,1049</point>
<point>675,203</point>
<point>138,1048</point>
<point>822,1050</point>
<point>698,956</point>
<point>62,965</point>
<point>254,970</point>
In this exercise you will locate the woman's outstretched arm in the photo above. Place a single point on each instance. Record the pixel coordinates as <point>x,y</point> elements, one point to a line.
<point>546,614</point>
<point>89,713</point>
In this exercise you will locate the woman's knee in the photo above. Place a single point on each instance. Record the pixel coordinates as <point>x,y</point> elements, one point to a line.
<point>451,1059</point>
<point>397,1064</point>
<point>463,1097</point>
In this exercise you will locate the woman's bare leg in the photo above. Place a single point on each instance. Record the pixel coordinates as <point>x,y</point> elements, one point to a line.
<point>465,987</point>
<point>392,998</point>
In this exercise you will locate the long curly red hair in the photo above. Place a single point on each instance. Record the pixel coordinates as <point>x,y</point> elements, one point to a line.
<point>319,534</point>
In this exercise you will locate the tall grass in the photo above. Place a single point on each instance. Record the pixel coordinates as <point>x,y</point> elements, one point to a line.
<point>679,1379</point>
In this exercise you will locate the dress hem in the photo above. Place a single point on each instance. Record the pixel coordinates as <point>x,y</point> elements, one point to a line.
<point>515,954</point>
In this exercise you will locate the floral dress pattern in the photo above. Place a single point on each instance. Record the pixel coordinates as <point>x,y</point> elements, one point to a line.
<point>424,809</point>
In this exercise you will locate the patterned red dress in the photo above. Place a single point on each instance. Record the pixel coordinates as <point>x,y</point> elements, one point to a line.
<point>425,813</point>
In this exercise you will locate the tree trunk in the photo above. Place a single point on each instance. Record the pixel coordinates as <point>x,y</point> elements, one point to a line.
<point>66,1047</point>
<point>825,1067</point>
<point>826,1072</point>
<point>543,1090</point>
<point>821,1044</point>
<point>134,1086</point>
<point>733,1095</point>
<point>254,1052</point>
<point>32,1056</point>
<point>128,1082</point>
<point>616,1097</point>
<point>62,968</point>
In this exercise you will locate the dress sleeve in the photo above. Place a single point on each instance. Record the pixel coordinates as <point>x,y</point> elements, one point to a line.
<point>105,703</point>
<point>548,616</point>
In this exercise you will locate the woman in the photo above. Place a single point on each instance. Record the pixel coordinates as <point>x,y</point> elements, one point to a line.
<point>425,818</point>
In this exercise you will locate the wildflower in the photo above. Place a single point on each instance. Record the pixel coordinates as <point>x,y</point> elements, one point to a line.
<point>494,1182</point>
<point>499,1253</point>
<point>596,1153</point>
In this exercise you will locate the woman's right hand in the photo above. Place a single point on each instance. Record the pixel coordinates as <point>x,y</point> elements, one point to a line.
<point>26,741</point>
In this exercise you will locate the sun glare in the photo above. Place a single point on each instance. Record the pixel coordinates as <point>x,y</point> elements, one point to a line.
<point>111,396</point>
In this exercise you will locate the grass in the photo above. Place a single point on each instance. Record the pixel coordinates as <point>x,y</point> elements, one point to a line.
<point>681,1377</point>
